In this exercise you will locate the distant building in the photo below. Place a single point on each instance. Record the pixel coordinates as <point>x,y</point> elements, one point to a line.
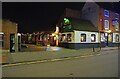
<point>42,38</point>
<point>9,37</point>
<point>105,19</point>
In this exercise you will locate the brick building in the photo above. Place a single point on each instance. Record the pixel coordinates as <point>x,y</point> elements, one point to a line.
<point>105,19</point>
<point>10,39</point>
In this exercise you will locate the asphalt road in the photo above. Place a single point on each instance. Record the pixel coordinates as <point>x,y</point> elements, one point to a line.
<point>105,65</point>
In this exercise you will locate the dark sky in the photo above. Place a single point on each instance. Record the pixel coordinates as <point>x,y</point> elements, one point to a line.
<point>36,16</point>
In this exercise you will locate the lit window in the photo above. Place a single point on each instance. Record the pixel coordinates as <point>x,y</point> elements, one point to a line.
<point>1,40</point>
<point>106,24</point>
<point>106,13</point>
<point>83,38</point>
<point>102,37</point>
<point>116,16</point>
<point>117,38</point>
<point>113,22</point>
<point>69,37</point>
<point>110,37</point>
<point>63,38</point>
<point>117,26</point>
<point>93,37</point>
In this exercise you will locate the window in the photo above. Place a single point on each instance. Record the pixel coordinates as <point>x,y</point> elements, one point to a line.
<point>109,37</point>
<point>106,24</point>
<point>63,38</point>
<point>83,38</point>
<point>117,27</point>
<point>116,24</point>
<point>113,22</point>
<point>117,38</point>
<point>116,16</point>
<point>93,37</point>
<point>69,37</point>
<point>1,40</point>
<point>102,37</point>
<point>106,13</point>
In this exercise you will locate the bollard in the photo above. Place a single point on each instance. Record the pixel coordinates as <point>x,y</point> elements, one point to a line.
<point>100,48</point>
<point>93,49</point>
<point>118,45</point>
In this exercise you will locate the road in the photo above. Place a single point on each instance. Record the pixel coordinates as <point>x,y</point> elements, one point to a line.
<point>105,65</point>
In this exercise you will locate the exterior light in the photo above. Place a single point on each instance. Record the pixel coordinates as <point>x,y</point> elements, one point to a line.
<point>53,34</point>
<point>109,31</point>
<point>66,20</point>
<point>19,34</point>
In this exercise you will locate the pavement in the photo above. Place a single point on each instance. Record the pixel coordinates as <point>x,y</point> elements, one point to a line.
<point>48,54</point>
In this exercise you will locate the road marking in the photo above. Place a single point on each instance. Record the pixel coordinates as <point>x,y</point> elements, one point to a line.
<point>98,54</point>
<point>90,55</point>
<point>83,56</point>
<point>48,60</point>
<point>76,57</point>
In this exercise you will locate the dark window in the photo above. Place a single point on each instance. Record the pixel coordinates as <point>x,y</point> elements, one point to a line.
<point>83,38</point>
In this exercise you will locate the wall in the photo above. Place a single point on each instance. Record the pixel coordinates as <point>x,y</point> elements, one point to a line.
<point>88,36</point>
<point>90,12</point>
<point>110,18</point>
<point>7,28</point>
<point>72,13</point>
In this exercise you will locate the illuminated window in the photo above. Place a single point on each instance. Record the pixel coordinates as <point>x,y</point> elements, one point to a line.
<point>110,37</point>
<point>1,40</point>
<point>63,38</point>
<point>102,37</point>
<point>93,37</point>
<point>69,37</point>
<point>106,24</point>
<point>83,38</point>
<point>117,26</point>
<point>106,13</point>
<point>116,16</point>
<point>117,38</point>
<point>113,22</point>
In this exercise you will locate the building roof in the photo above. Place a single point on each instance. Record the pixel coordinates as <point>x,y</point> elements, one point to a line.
<point>82,25</point>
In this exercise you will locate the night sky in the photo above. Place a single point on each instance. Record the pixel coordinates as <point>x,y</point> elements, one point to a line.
<point>37,16</point>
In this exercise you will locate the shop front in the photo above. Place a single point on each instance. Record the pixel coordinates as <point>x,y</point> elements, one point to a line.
<point>109,39</point>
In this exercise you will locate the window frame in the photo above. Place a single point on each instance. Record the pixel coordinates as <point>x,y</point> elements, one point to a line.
<point>2,40</point>
<point>116,14</point>
<point>106,25</point>
<point>70,37</point>
<point>116,38</point>
<point>83,38</point>
<point>94,38</point>
<point>62,37</point>
<point>108,14</point>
